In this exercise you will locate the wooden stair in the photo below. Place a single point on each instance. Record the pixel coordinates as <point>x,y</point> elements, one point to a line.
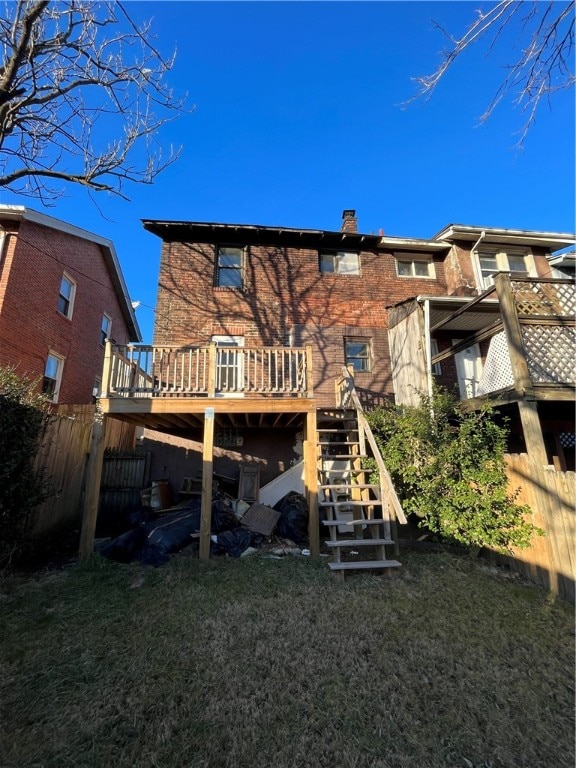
<point>358,519</point>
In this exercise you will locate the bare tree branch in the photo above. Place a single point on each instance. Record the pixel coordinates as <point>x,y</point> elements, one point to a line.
<point>73,74</point>
<point>542,66</point>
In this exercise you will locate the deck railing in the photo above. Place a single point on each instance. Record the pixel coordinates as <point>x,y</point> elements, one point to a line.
<point>212,371</point>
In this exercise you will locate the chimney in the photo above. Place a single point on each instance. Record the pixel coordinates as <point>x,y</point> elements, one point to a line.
<point>349,221</point>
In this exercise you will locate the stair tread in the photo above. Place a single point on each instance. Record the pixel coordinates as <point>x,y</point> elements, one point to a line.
<point>337,430</point>
<point>349,485</point>
<point>364,565</point>
<point>351,503</point>
<point>359,543</point>
<point>373,521</point>
<point>345,456</point>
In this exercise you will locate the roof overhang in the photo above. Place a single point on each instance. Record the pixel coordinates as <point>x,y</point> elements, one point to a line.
<point>22,213</point>
<point>209,232</point>
<point>451,313</point>
<point>552,241</point>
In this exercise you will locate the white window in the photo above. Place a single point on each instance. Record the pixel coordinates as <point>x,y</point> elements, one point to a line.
<point>489,262</point>
<point>340,262</point>
<point>230,267</point>
<point>66,296</point>
<point>52,376</point>
<point>414,265</point>
<point>105,329</point>
<point>97,388</point>
<point>358,354</point>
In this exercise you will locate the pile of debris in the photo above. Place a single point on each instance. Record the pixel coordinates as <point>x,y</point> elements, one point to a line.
<point>236,528</point>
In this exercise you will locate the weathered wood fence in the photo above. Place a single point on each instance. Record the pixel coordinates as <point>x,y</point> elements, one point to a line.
<point>62,457</point>
<point>551,495</point>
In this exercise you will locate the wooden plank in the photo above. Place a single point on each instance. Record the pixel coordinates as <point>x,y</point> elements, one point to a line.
<point>207,471</point>
<point>92,494</point>
<point>311,481</point>
<point>359,543</point>
<point>364,565</point>
<point>160,405</point>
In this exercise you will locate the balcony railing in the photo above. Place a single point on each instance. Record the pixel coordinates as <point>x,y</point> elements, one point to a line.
<point>138,371</point>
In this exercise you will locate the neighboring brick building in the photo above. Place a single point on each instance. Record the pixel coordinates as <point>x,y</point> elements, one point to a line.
<point>61,293</point>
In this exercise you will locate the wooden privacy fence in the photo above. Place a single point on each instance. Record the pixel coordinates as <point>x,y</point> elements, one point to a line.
<point>62,456</point>
<point>550,560</point>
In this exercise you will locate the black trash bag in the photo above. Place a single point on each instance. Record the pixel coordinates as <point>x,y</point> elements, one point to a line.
<point>171,532</point>
<point>236,541</point>
<point>293,522</point>
<point>126,547</point>
<point>223,517</point>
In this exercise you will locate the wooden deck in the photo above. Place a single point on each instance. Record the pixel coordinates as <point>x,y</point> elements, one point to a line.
<point>172,388</point>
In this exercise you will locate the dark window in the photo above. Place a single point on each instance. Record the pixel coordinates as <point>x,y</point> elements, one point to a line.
<point>358,354</point>
<point>340,262</point>
<point>229,269</point>
<point>105,329</point>
<point>66,297</point>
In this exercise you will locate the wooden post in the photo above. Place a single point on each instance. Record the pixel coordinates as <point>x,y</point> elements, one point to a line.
<point>533,437</point>
<point>513,331</point>
<point>92,492</point>
<point>207,471</point>
<point>107,369</point>
<point>309,372</point>
<point>212,370</point>
<point>527,406</point>
<point>311,481</point>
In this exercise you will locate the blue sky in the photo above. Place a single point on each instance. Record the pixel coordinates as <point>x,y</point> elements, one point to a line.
<point>299,115</point>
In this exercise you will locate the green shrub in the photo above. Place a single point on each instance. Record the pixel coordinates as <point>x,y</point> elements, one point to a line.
<point>448,468</point>
<point>22,417</point>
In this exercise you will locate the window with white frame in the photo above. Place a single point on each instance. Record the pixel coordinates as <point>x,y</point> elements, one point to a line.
<point>436,367</point>
<point>414,265</point>
<point>230,267</point>
<point>105,329</point>
<point>340,262</point>
<point>66,296</point>
<point>52,376</point>
<point>358,354</point>
<point>489,262</point>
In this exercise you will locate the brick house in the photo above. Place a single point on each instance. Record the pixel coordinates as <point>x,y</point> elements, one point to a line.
<point>62,294</point>
<point>254,325</point>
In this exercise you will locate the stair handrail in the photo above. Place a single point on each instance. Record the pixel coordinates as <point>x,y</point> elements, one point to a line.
<point>345,386</point>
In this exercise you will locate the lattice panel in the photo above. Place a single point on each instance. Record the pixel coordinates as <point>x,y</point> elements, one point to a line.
<point>567,439</point>
<point>535,298</point>
<point>550,353</point>
<point>497,373</point>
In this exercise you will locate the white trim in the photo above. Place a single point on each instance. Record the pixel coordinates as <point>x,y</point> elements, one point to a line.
<point>59,370</point>
<point>67,276</point>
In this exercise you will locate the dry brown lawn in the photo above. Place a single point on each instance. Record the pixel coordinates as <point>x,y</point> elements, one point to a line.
<point>275,664</point>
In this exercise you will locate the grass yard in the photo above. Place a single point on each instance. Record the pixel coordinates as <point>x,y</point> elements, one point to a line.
<point>262,663</point>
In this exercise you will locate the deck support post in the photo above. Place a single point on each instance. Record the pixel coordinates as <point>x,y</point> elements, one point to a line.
<point>207,472</point>
<point>311,481</point>
<point>92,490</point>
<point>527,406</point>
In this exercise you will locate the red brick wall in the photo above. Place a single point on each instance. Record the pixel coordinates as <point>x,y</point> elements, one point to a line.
<point>31,269</point>
<point>286,295</point>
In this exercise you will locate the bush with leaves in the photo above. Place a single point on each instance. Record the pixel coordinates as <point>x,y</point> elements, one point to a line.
<point>448,468</point>
<point>22,416</point>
